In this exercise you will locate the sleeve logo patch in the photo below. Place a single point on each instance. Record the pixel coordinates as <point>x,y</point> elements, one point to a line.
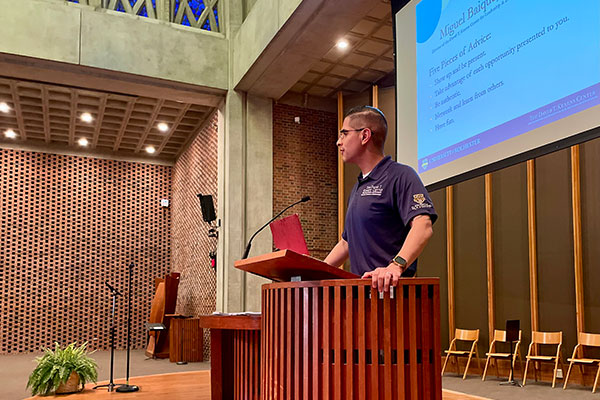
<point>419,198</point>
<point>421,202</point>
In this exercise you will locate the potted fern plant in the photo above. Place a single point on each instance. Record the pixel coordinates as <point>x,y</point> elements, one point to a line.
<point>63,370</point>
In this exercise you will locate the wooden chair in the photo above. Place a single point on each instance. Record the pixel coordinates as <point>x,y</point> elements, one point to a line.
<point>585,339</point>
<point>464,335</point>
<point>544,338</point>
<point>500,336</point>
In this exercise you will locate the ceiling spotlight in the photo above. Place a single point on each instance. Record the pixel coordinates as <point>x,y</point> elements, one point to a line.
<point>86,117</point>
<point>163,127</point>
<point>10,133</point>
<point>150,149</point>
<point>83,142</point>
<point>342,44</point>
<point>4,107</point>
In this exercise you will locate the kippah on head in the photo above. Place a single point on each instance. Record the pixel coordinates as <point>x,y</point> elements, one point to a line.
<point>373,119</point>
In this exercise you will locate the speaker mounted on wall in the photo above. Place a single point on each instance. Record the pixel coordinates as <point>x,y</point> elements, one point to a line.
<point>208,207</point>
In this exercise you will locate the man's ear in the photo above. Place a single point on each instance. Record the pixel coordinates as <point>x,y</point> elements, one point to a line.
<point>365,136</point>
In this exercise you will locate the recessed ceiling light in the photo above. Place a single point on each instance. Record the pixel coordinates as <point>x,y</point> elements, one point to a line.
<point>342,44</point>
<point>4,107</point>
<point>163,127</point>
<point>150,149</point>
<point>86,117</point>
<point>10,134</point>
<point>83,142</point>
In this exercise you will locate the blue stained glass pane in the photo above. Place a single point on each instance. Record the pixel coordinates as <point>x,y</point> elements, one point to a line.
<point>120,7</point>
<point>185,21</point>
<point>206,25</point>
<point>143,11</point>
<point>216,16</point>
<point>74,1</point>
<point>197,7</point>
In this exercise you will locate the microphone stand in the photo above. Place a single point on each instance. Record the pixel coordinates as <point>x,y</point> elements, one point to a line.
<point>247,251</point>
<point>127,388</point>
<point>111,384</point>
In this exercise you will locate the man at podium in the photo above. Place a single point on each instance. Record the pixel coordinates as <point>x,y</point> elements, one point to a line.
<point>390,214</point>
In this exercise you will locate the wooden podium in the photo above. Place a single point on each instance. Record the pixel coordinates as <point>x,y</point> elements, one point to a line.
<point>331,336</point>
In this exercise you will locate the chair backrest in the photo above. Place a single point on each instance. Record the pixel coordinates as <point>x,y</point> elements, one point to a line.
<point>500,335</point>
<point>546,337</point>
<point>589,339</point>
<point>466,334</point>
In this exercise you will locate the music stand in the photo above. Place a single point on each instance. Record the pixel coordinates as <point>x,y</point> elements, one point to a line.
<point>512,335</point>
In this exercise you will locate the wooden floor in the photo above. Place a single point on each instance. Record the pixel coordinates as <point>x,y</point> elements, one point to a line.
<point>181,386</point>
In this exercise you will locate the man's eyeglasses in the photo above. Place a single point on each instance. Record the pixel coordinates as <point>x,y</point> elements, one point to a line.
<point>344,132</point>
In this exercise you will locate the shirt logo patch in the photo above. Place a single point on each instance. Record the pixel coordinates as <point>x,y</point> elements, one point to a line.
<point>419,198</point>
<point>421,201</point>
<point>372,190</point>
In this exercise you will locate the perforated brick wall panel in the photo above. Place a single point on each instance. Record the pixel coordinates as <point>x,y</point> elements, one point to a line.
<point>69,224</point>
<point>305,164</point>
<point>195,172</point>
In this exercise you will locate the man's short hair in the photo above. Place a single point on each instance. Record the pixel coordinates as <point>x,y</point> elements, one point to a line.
<point>373,119</point>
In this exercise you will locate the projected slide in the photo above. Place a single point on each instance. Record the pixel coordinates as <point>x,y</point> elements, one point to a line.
<point>491,70</point>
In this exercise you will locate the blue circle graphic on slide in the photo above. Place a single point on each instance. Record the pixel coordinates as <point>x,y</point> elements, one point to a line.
<point>428,15</point>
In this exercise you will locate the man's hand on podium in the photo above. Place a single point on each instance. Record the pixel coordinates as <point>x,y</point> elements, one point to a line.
<point>383,277</point>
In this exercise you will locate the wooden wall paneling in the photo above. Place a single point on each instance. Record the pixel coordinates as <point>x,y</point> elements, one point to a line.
<point>433,261</point>
<point>556,278</point>
<point>375,96</point>
<point>340,104</point>
<point>450,260</point>
<point>511,268</point>
<point>532,236</point>
<point>577,241</point>
<point>590,214</point>
<point>470,275</point>
<point>489,252</point>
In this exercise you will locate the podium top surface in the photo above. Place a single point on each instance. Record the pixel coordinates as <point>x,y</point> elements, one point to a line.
<point>282,265</point>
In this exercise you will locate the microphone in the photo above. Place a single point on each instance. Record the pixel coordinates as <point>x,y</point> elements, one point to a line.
<point>247,251</point>
<point>113,289</point>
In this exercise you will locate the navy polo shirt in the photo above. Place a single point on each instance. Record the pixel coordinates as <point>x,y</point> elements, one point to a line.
<point>380,209</point>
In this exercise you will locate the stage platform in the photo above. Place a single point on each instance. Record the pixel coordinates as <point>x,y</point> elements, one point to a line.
<point>180,386</point>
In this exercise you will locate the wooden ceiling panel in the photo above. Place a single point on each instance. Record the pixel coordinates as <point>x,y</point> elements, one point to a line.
<point>367,59</point>
<point>121,124</point>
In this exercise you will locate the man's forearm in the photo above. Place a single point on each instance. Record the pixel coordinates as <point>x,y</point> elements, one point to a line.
<point>416,240</point>
<point>338,254</point>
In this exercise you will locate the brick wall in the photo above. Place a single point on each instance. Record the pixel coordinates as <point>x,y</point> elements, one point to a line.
<point>67,225</point>
<point>305,164</point>
<point>195,172</point>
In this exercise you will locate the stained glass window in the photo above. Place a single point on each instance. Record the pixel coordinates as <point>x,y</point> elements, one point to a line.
<point>196,7</point>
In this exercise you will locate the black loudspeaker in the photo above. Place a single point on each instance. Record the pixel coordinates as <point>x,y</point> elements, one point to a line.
<point>512,330</point>
<point>208,207</point>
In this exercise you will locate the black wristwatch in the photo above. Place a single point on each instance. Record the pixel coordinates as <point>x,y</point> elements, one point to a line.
<point>400,261</point>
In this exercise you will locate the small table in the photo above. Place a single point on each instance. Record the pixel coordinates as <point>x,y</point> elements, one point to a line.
<point>234,355</point>
<point>186,338</point>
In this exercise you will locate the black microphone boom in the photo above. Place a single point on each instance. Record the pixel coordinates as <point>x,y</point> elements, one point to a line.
<point>247,251</point>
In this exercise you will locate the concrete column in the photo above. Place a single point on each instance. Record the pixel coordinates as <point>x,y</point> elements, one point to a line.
<point>245,195</point>
<point>259,186</point>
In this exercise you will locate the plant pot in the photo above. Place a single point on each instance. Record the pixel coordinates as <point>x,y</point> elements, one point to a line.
<point>70,386</point>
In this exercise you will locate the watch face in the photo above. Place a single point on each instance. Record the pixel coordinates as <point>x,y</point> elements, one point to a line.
<point>400,260</point>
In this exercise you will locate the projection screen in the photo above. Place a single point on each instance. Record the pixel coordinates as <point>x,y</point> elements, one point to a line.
<point>479,81</point>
